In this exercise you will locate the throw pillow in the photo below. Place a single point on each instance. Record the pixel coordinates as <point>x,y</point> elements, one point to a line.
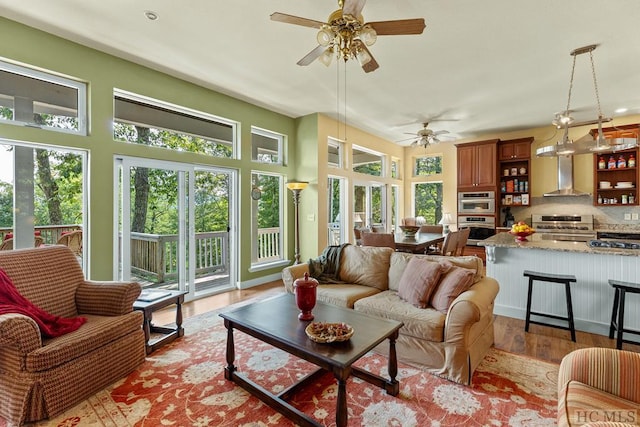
<point>453,283</point>
<point>418,281</point>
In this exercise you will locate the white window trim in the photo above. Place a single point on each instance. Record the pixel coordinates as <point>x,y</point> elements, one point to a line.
<point>81,87</point>
<point>273,135</point>
<point>235,126</point>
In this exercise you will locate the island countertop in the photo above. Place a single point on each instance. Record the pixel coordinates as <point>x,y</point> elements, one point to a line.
<point>536,241</point>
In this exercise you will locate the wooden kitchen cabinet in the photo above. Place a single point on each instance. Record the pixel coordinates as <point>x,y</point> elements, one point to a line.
<point>515,149</point>
<point>477,165</point>
<point>514,169</point>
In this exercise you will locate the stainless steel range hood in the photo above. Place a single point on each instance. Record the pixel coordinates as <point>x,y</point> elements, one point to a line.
<point>565,179</point>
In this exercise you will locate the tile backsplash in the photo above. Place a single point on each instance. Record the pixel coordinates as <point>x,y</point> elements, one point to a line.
<point>605,217</point>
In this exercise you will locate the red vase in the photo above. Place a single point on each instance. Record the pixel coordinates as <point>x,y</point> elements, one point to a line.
<point>305,290</point>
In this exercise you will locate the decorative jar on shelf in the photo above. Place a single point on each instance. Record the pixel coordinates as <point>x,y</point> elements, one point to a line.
<point>305,290</point>
<point>601,163</point>
<point>632,161</point>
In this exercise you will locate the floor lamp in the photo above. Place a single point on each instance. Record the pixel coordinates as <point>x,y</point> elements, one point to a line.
<point>296,187</point>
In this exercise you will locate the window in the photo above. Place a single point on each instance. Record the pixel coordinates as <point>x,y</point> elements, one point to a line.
<point>335,205</point>
<point>33,98</point>
<point>267,218</point>
<point>427,198</point>
<point>366,161</point>
<point>334,153</point>
<point>140,120</point>
<point>395,168</point>
<point>266,147</point>
<point>428,165</point>
<point>48,198</point>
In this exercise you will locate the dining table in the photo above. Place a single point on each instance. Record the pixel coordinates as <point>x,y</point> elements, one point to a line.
<point>417,243</point>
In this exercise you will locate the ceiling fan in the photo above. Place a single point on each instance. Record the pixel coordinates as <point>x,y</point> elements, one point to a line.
<point>425,137</point>
<point>346,34</point>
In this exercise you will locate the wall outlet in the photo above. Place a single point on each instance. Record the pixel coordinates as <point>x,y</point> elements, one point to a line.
<point>627,217</point>
<point>634,216</point>
<point>312,217</point>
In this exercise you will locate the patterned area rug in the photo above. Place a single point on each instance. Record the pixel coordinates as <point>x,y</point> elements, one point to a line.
<point>183,384</point>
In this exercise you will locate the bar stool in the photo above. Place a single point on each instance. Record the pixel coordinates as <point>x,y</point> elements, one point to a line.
<point>553,278</point>
<point>617,314</point>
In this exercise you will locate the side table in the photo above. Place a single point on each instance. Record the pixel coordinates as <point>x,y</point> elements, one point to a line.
<point>168,334</point>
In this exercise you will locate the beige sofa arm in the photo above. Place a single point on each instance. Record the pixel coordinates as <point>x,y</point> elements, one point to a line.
<point>19,331</point>
<point>293,272</point>
<point>468,308</point>
<point>106,298</point>
<point>606,369</point>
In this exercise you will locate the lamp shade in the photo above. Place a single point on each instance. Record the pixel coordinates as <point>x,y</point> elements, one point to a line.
<point>447,219</point>
<point>297,185</point>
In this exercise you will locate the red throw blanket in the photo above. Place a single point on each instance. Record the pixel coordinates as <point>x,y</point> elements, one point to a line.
<point>11,301</point>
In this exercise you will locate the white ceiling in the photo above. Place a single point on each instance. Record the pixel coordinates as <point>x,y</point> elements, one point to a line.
<point>491,66</point>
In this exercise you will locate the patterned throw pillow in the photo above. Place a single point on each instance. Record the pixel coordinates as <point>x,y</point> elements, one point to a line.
<point>418,281</point>
<point>453,283</point>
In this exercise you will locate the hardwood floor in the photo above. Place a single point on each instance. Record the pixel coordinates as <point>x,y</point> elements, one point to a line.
<point>541,342</point>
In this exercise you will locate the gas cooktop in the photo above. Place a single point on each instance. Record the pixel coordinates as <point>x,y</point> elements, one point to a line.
<point>617,244</point>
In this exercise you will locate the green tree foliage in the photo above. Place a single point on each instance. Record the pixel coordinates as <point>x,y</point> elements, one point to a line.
<point>429,201</point>
<point>269,203</point>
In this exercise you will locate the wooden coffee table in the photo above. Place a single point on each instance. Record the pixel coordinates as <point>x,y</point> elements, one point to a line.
<point>275,321</point>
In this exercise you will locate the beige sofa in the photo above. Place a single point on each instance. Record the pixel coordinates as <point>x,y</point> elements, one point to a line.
<point>41,377</point>
<point>449,345</point>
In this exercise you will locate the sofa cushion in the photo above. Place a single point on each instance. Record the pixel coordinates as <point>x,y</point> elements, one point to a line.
<point>580,398</point>
<point>421,323</point>
<point>418,281</point>
<point>398,263</point>
<point>343,295</point>
<point>97,332</point>
<point>367,266</point>
<point>455,281</point>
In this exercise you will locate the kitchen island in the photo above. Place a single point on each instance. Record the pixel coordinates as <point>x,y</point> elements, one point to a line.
<point>593,267</point>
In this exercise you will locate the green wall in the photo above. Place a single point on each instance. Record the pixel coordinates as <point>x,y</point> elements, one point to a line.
<point>103,73</point>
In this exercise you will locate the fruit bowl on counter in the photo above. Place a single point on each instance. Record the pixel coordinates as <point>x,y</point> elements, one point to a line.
<point>521,230</point>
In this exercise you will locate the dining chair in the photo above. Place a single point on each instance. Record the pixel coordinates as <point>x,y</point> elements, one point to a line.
<point>461,243</point>
<point>379,239</point>
<point>450,244</point>
<point>432,229</point>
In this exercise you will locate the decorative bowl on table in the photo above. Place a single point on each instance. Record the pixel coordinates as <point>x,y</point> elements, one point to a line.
<point>409,230</point>
<point>326,332</point>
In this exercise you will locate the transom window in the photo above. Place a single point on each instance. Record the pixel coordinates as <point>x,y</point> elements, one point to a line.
<point>428,165</point>
<point>366,161</point>
<point>334,154</point>
<point>141,120</point>
<point>34,98</point>
<point>266,146</point>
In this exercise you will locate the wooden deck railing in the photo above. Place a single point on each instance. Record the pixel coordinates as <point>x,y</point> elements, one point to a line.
<point>268,244</point>
<point>49,233</point>
<point>155,256</point>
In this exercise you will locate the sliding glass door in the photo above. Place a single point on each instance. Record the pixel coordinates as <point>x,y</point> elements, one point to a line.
<point>174,223</point>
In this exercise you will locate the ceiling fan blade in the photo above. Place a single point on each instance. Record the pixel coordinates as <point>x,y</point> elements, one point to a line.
<point>399,27</point>
<point>353,7</point>
<point>371,65</point>
<point>296,20</point>
<point>440,132</point>
<point>312,56</point>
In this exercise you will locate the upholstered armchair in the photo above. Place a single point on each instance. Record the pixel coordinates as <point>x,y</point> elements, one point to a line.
<point>41,377</point>
<point>599,386</point>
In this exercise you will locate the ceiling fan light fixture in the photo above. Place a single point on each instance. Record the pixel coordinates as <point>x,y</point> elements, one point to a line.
<point>325,36</point>
<point>362,55</point>
<point>326,57</point>
<point>368,35</point>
